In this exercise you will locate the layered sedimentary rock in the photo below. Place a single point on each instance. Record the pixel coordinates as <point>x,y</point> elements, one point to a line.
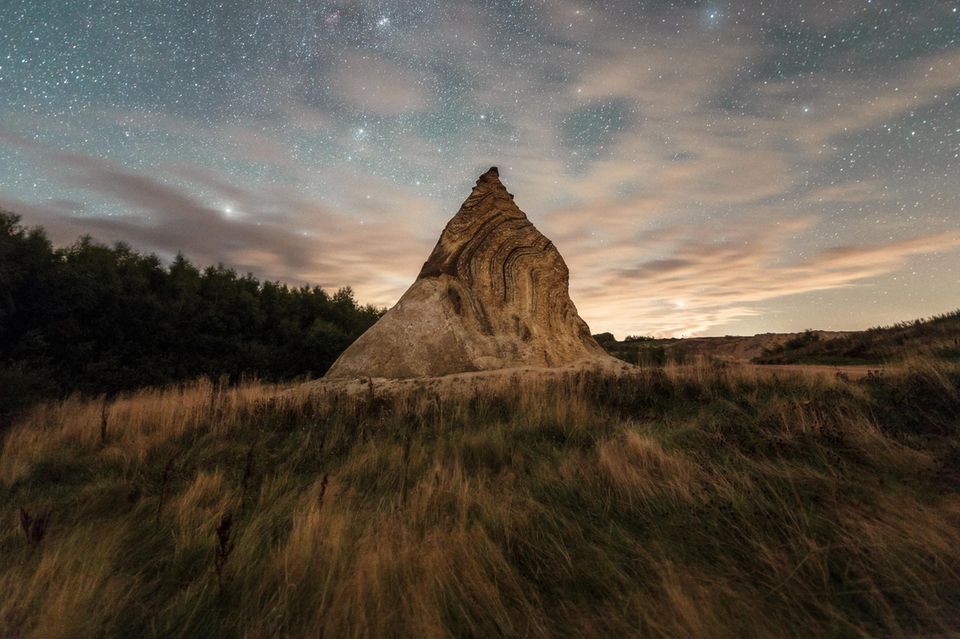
<point>493,294</point>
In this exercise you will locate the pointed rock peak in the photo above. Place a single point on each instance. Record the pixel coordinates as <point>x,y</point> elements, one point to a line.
<point>489,182</point>
<point>492,175</point>
<point>488,197</point>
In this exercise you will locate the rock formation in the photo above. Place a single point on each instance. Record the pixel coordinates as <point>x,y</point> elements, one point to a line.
<point>493,294</point>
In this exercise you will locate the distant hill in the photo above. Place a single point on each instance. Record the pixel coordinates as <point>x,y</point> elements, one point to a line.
<point>938,336</point>
<point>656,351</point>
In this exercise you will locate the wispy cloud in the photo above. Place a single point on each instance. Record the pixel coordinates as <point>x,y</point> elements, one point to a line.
<point>704,283</point>
<point>371,84</point>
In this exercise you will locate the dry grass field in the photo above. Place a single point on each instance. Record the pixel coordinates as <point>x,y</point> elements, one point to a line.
<point>687,501</point>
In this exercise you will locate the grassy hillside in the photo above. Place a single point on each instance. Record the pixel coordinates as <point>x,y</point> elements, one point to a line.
<point>938,336</point>
<point>658,351</point>
<point>673,502</point>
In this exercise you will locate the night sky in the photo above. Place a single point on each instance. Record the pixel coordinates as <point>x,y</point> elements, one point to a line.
<point>711,168</point>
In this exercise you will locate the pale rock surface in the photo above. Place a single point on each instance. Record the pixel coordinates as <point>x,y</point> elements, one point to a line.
<point>492,295</point>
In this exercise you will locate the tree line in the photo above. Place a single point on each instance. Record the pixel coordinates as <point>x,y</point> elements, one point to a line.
<point>103,319</point>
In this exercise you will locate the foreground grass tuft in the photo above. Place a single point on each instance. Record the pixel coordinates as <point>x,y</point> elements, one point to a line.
<point>687,501</point>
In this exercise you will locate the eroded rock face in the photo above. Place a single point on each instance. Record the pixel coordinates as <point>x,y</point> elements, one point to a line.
<point>493,294</point>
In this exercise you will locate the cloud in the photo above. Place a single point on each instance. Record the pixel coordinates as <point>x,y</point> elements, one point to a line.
<point>840,105</point>
<point>704,283</point>
<point>859,192</point>
<point>246,144</point>
<point>274,233</point>
<point>365,82</point>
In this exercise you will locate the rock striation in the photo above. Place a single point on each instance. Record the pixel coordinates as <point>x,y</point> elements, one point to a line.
<point>493,294</point>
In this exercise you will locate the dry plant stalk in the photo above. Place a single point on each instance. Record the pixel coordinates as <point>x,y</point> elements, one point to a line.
<point>224,546</point>
<point>323,489</point>
<point>405,468</point>
<point>103,421</point>
<point>164,481</point>
<point>249,468</point>
<point>33,527</point>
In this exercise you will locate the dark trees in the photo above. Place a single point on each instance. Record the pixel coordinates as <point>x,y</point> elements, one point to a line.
<point>101,319</point>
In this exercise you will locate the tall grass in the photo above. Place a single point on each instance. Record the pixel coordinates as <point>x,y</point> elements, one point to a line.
<point>690,501</point>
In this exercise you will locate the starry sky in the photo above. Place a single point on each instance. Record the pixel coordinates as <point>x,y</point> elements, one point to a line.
<point>705,167</point>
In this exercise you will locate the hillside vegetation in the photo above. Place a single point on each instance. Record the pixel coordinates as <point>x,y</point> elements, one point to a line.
<point>680,502</point>
<point>100,319</point>
<point>937,336</point>
<point>652,351</point>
